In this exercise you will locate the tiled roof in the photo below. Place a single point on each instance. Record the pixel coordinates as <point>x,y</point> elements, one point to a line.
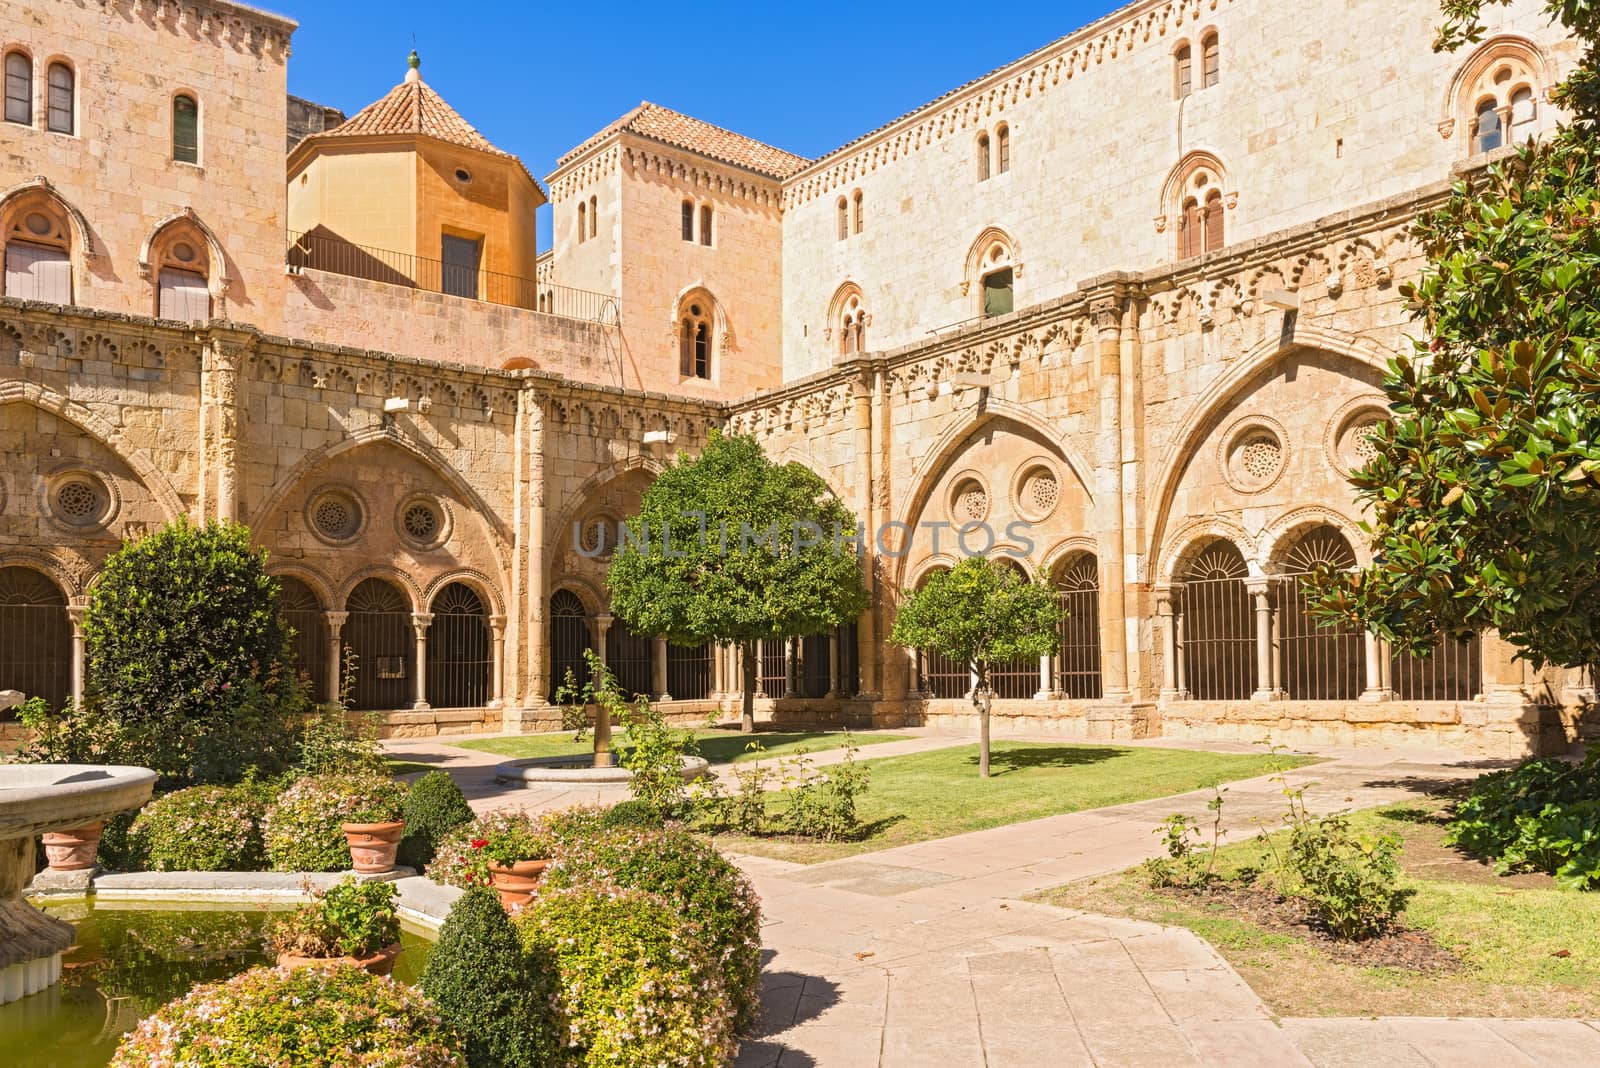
<point>412,107</point>
<point>674,128</point>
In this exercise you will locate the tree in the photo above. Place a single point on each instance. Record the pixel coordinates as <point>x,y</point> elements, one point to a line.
<point>1485,488</point>
<point>189,658</point>
<point>980,613</point>
<point>730,547</point>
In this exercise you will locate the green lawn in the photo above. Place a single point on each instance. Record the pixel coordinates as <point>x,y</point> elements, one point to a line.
<point>1528,948</point>
<point>717,746</point>
<point>936,794</point>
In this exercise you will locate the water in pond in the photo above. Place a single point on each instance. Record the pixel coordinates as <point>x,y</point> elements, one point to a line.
<point>130,960</point>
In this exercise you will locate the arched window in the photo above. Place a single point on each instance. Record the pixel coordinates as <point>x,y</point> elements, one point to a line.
<point>379,631</point>
<point>694,341</point>
<point>594,216</point>
<point>1524,117</point>
<point>1210,60</point>
<point>844,219</point>
<point>1191,230</point>
<point>1212,220</point>
<point>992,268</point>
<point>1218,647</point>
<point>688,220</point>
<point>705,224</point>
<point>569,638</point>
<point>1078,661</point>
<point>1318,663</point>
<point>938,676</point>
<point>860,215</point>
<point>183,267</point>
<point>38,249</point>
<point>60,107</point>
<point>631,659</point>
<point>1183,71</point>
<point>1488,135</point>
<point>303,612</point>
<point>35,636</point>
<point>983,157</point>
<point>1019,678</point>
<point>1195,200</point>
<point>460,657</point>
<point>185,129</point>
<point>583,222</point>
<point>1002,138</point>
<point>852,327</point>
<point>19,89</point>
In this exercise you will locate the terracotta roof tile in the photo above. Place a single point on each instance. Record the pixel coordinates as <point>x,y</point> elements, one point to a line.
<point>412,107</point>
<point>674,128</point>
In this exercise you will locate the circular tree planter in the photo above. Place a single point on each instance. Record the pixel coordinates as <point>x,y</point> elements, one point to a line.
<point>580,771</point>
<point>379,963</point>
<point>373,845</point>
<point>73,850</point>
<point>517,883</point>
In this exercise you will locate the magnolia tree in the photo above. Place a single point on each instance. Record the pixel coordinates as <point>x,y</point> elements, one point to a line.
<point>980,613</point>
<point>1485,489</point>
<point>730,547</point>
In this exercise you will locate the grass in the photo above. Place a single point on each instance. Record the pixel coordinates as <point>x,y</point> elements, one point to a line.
<point>408,767</point>
<point>1529,948</point>
<point>717,746</point>
<point>936,794</point>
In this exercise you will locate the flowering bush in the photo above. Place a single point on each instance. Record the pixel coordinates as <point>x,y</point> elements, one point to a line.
<point>203,828</point>
<point>637,984</point>
<point>349,919</point>
<point>700,884</point>
<point>499,837</point>
<point>303,828</point>
<point>333,1016</point>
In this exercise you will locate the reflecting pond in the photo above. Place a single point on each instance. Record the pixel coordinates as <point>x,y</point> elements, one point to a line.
<point>129,960</point>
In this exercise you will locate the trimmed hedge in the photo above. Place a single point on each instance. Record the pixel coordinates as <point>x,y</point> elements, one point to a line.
<point>434,807</point>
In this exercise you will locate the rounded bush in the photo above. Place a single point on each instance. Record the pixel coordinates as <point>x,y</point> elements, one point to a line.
<point>701,885</point>
<point>631,813</point>
<point>334,1016</point>
<point>203,828</point>
<point>637,984</point>
<point>488,986</point>
<point>434,807</point>
<point>303,828</point>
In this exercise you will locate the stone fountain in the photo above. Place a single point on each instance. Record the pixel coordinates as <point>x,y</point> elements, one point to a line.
<point>35,799</point>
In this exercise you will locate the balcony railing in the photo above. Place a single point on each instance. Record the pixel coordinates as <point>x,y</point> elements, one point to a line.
<point>323,251</point>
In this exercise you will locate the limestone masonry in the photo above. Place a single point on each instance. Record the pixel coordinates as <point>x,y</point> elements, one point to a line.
<point>1118,310</point>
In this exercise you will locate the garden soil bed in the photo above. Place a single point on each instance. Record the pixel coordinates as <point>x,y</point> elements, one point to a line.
<point>1399,947</point>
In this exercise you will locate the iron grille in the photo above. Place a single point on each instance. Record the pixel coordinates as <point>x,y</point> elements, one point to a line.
<point>689,671</point>
<point>631,659</point>
<point>1219,631</point>
<point>460,656</point>
<point>816,665</point>
<point>569,638</point>
<point>1078,661</point>
<point>849,665</point>
<point>774,674</point>
<point>379,632</point>
<point>304,615</point>
<point>1454,672</point>
<point>1015,678</point>
<point>35,637</point>
<point>1318,663</point>
<point>944,677</point>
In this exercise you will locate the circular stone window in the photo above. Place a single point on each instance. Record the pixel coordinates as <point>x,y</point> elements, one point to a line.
<point>334,516</point>
<point>184,252</point>
<point>1254,456</point>
<point>37,224</point>
<point>1037,492</point>
<point>1348,440</point>
<point>598,537</point>
<point>422,521</point>
<point>969,502</point>
<point>80,500</point>
<point>463,175</point>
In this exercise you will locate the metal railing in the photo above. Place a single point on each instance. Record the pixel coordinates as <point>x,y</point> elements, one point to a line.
<point>1078,660</point>
<point>1453,672</point>
<point>1317,662</point>
<point>325,251</point>
<point>689,672</point>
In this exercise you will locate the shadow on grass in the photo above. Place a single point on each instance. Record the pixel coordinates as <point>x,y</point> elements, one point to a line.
<point>721,749</point>
<point>1007,760</point>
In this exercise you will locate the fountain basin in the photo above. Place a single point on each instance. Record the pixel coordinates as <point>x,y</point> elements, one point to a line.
<point>580,771</point>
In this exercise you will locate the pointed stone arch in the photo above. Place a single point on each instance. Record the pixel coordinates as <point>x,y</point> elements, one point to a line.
<point>218,277</point>
<point>1459,101</point>
<point>82,237</point>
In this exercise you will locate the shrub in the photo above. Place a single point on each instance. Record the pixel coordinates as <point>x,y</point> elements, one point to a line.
<point>189,658</point>
<point>202,828</point>
<point>1542,815</point>
<point>701,885</point>
<point>502,837</point>
<point>637,983</point>
<point>822,803</point>
<point>655,757</point>
<point>333,1016</point>
<point>631,813</point>
<point>1352,884</point>
<point>434,807</point>
<point>330,744</point>
<point>488,986</point>
<point>303,828</point>
<point>349,919</point>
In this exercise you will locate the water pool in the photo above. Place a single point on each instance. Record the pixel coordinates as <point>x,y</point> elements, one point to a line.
<point>129,960</point>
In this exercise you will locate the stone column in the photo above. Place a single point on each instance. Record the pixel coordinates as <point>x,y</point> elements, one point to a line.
<point>761,658</point>
<point>1375,689</point>
<point>602,627</point>
<point>833,664</point>
<point>1180,653</point>
<point>1045,689</point>
<point>224,353</point>
<point>1505,678</point>
<point>719,676</point>
<point>867,654</point>
<point>790,667</point>
<point>336,622</point>
<point>538,641</point>
<point>419,623</point>
<point>497,650</point>
<point>658,672</point>
<point>1260,590</point>
<point>75,615</point>
<point>1112,547</point>
<point>1166,612</point>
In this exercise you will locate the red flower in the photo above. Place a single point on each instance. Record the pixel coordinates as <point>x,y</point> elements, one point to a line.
<point>479,843</point>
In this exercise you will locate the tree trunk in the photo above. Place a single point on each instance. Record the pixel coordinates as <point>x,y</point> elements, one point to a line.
<point>747,657</point>
<point>982,699</point>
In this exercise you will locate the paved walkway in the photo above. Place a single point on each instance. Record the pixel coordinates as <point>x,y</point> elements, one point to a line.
<point>926,955</point>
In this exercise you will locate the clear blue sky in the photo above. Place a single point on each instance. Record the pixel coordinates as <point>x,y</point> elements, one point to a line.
<point>537,78</point>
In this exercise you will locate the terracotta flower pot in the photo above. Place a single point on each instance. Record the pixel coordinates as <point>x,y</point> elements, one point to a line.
<point>516,883</point>
<point>73,850</point>
<point>373,845</point>
<point>379,963</point>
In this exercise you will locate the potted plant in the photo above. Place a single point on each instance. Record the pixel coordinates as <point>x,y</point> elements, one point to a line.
<point>373,825</point>
<point>75,849</point>
<point>506,850</point>
<point>350,921</point>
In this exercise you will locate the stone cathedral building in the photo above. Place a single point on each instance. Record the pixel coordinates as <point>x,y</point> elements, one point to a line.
<point>1118,310</point>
